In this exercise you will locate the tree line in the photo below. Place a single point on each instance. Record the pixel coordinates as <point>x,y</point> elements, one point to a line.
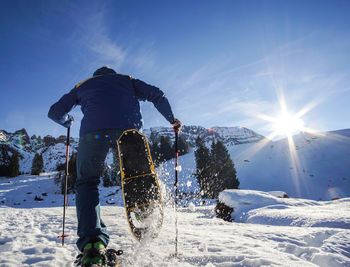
<point>10,166</point>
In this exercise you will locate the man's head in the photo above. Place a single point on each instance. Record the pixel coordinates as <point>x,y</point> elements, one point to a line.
<point>104,70</point>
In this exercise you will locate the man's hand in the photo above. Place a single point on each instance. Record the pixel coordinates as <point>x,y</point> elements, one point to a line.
<point>176,124</point>
<point>68,121</point>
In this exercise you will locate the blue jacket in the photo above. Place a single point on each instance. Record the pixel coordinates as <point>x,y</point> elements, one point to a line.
<point>110,100</point>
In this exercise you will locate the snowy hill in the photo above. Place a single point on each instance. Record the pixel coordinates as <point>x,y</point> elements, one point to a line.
<point>317,166</point>
<point>52,149</point>
<point>271,232</point>
<point>318,169</point>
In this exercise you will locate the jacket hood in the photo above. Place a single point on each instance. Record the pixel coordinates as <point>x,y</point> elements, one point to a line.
<point>104,70</point>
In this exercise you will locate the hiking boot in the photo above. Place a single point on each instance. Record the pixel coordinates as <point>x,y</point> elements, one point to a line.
<point>94,254</point>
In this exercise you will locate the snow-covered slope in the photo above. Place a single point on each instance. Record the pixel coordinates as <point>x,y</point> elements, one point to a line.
<point>279,232</point>
<point>317,166</point>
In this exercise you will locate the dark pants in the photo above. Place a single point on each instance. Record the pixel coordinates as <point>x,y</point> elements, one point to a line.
<point>92,152</point>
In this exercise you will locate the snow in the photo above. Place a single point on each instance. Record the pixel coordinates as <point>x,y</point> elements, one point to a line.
<point>316,167</point>
<point>319,169</point>
<point>269,231</point>
<point>258,207</point>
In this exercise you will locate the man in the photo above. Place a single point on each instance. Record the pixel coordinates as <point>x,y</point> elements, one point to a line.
<point>110,104</point>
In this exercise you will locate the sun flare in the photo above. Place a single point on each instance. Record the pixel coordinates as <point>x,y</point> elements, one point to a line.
<point>287,124</point>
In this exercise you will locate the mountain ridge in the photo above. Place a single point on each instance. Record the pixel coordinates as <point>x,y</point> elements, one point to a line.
<point>53,148</point>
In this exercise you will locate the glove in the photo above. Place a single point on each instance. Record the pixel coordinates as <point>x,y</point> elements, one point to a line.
<point>68,121</point>
<point>176,124</point>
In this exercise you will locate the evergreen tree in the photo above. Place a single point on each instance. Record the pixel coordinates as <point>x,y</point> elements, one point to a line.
<point>106,176</point>
<point>72,175</point>
<point>72,172</point>
<point>165,147</point>
<point>215,169</point>
<point>224,170</point>
<point>155,153</point>
<point>4,162</point>
<point>183,146</point>
<point>37,164</point>
<point>14,166</point>
<point>153,139</point>
<point>204,168</point>
<point>111,174</point>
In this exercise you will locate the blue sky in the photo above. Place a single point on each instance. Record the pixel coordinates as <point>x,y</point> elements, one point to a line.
<point>221,63</point>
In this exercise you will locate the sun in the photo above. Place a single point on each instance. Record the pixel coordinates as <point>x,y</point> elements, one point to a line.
<point>287,124</point>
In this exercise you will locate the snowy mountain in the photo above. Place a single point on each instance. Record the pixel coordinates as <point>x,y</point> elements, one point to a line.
<point>53,149</point>
<point>227,135</point>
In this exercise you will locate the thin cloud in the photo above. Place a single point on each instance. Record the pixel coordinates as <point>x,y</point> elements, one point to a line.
<point>98,41</point>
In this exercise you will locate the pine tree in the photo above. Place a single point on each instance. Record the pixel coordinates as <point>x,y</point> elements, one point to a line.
<point>72,171</point>
<point>165,147</point>
<point>72,175</point>
<point>37,164</point>
<point>4,162</point>
<point>215,169</point>
<point>183,146</point>
<point>155,153</point>
<point>224,170</point>
<point>154,148</point>
<point>204,167</point>
<point>14,166</point>
<point>106,176</point>
<point>111,173</point>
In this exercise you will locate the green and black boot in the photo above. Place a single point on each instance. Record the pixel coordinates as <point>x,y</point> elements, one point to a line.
<point>95,254</point>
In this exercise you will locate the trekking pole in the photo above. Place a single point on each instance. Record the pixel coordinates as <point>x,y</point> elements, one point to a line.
<point>65,201</point>
<point>176,185</point>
